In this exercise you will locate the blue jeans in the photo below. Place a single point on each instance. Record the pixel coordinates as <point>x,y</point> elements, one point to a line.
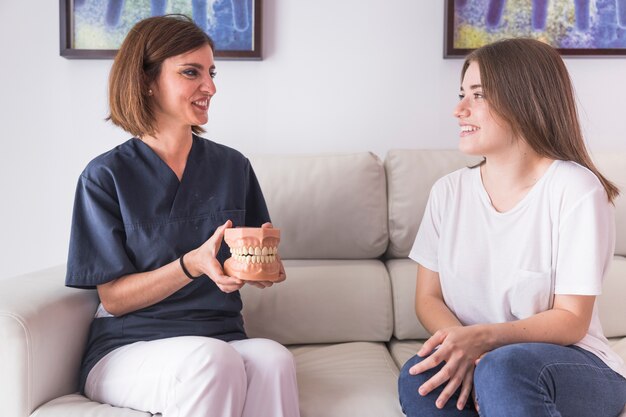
<point>526,379</point>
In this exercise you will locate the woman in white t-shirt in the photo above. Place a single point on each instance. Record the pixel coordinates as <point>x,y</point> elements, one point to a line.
<point>512,254</point>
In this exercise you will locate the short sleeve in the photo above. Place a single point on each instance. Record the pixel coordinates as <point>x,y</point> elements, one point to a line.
<point>256,209</point>
<point>424,250</point>
<point>585,245</point>
<point>96,252</point>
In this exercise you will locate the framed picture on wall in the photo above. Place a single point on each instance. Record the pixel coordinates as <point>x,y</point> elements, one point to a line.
<point>95,29</point>
<point>574,27</point>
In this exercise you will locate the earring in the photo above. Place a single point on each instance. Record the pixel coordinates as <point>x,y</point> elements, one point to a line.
<point>150,92</point>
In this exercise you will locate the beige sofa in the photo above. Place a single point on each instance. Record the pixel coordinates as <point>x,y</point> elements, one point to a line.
<point>346,310</point>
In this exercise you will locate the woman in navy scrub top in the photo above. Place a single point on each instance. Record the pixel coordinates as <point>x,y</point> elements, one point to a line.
<point>149,219</point>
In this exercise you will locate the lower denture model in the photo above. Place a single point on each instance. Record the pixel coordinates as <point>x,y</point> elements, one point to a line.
<point>254,253</point>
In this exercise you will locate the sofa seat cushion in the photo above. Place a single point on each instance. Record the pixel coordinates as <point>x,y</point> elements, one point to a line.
<point>322,301</point>
<point>76,405</point>
<point>349,379</point>
<point>403,350</point>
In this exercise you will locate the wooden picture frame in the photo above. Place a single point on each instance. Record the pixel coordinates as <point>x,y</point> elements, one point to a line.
<point>91,29</point>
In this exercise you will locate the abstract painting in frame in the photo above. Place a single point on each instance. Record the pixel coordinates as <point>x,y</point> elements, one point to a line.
<point>96,28</point>
<point>574,27</point>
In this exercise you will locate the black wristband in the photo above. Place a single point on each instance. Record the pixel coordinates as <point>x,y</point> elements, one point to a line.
<point>182,265</point>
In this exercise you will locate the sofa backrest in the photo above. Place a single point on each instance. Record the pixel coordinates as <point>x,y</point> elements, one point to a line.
<point>328,206</point>
<point>410,175</point>
<point>613,166</point>
<point>332,212</point>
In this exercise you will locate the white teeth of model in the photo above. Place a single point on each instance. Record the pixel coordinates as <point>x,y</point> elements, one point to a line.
<point>257,251</point>
<point>264,251</point>
<point>275,250</point>
<point>250,250</point>
<point>243,251</point>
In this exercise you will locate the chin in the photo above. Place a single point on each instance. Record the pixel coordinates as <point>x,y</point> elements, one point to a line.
<point>469,149</point>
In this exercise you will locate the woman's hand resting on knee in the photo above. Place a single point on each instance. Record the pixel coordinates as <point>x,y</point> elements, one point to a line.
<point>460,348</point>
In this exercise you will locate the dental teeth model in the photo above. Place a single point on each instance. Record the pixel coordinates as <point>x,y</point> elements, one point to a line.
<point>253,253</point>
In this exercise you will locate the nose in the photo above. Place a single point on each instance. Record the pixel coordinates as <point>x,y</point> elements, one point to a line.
<point>461,109</point>
<point>208,86</point>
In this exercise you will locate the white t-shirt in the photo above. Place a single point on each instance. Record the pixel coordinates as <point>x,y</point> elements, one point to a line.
<point>498,267</point>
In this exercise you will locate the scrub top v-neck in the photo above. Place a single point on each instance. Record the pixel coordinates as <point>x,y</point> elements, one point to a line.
<point>132,214</point>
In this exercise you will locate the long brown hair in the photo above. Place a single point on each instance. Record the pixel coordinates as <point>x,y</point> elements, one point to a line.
<point>527,84</point>
<point>138,64</point>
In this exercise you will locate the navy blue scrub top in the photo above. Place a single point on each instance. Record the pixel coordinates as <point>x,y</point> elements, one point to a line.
<point>132,214</point>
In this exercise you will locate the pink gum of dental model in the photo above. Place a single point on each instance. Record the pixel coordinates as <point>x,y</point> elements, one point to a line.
<point>253,253</point>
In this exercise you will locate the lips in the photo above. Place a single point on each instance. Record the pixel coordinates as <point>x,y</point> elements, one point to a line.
<point>467,129</point>
<point>202,104</point>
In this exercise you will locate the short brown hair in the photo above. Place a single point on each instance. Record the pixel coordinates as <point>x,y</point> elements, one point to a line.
<point>527,84</point>
<point>138,64</point>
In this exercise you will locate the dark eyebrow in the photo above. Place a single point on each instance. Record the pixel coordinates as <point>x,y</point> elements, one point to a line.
<point>193,64</point>
<point>473,87</point>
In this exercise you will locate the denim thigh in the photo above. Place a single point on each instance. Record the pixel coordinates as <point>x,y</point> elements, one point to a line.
<point>547,380</point>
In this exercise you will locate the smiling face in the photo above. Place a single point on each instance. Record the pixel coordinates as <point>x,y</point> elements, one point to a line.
<point>184,88</point>
<point>482,131</point>
<point>253,253</point>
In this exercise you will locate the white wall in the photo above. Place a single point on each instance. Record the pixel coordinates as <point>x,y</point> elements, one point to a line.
<point>348,75</point>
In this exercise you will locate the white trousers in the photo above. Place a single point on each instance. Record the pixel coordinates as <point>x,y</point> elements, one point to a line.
<point>193,376</point>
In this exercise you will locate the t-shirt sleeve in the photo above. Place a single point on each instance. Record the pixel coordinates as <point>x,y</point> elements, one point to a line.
<point>424,250</point>
<point>586,245</point>
<point>96,252</point>
<point>256,209</point>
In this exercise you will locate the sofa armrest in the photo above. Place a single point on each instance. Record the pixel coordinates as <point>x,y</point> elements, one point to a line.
<point>43,329</point>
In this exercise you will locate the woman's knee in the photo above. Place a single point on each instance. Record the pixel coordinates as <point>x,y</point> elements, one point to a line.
<point>408,385</point>
<point>506,363</point>
<point>265,356</point>
<point>212,359</point>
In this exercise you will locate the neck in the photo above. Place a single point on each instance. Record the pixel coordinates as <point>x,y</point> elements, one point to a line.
<point>508,178</point>
<point>518,169</point>
<point>172,146</point>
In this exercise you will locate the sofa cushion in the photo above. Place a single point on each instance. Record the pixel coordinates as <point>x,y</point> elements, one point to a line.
<point>612,165</point>
<point>611,303</point>
<point>410,176</point>
<point>350,379</point>
<point>331,206</point>
<point>403,273</point>
<point>322,301</point>
<point>76,405</point>
<point>406,325</point>
<point>403,350</point>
